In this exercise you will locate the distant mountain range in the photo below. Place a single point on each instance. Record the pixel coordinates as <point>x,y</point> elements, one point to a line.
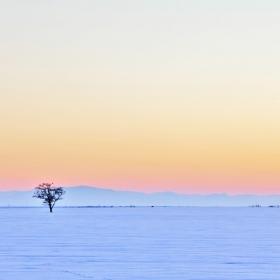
<point>91,196</point>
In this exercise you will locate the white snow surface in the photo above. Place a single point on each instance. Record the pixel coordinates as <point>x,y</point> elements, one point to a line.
<point>140,243</point>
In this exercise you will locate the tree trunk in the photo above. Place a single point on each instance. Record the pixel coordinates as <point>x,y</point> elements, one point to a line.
<point>50,209</point>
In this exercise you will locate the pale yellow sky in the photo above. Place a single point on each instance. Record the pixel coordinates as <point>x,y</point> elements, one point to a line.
<point>149,95</point>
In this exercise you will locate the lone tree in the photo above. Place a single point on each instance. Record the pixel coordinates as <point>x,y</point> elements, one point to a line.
<point>49,194</point>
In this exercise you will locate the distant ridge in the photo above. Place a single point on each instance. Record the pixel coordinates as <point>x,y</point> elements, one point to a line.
<point>92,196</point>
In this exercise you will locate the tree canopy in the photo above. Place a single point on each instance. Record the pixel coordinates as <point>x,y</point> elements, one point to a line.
<point>49,194</point>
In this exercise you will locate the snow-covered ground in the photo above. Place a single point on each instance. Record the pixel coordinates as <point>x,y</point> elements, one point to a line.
<point>140,243</point>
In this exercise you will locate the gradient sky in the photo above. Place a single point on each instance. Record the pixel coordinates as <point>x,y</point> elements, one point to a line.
<point>143,95</point>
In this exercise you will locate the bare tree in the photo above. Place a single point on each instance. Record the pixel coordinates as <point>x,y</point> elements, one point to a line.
<point>49,194</point>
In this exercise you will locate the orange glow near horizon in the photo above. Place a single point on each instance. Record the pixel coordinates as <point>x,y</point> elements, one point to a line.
<point>206,155</point>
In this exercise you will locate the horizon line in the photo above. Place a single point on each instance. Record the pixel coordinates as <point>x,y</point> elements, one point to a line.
<point>158,192</point>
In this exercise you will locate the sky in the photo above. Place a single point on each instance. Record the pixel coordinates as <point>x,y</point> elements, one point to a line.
<point>149,95</point>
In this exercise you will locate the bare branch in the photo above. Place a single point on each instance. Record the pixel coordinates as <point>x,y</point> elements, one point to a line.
<point>49,194</point>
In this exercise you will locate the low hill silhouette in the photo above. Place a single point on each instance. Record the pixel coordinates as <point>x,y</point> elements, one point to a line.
<point>92,196</point>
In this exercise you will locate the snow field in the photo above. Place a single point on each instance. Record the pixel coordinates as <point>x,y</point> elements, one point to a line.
<point>140,243</point>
